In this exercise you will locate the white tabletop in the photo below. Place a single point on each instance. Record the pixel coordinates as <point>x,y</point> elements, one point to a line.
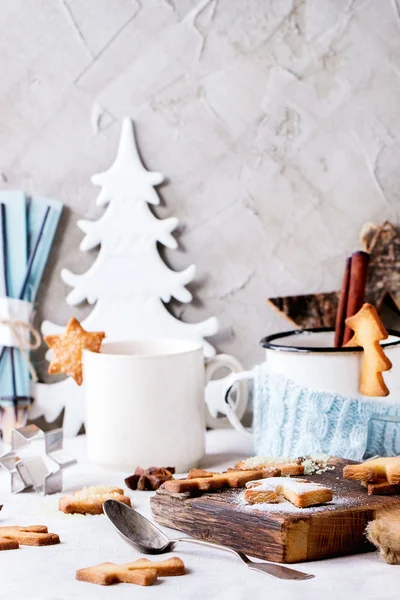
<point>48,573</point>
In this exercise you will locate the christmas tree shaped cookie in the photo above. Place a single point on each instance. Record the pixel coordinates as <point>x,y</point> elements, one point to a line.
<point>368,332</point>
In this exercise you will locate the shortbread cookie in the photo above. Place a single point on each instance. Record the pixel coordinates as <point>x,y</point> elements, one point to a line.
<point>304,493</point>
<point>368,332</point>
<point>68,347</point>
<point>382,489</point>
<point>140,572</point>
<point>89,501</point>
<point>382,468</point>
<point>374,482</point>
<point>11,537</point>
<point>287,466</point>
<point>218,481</point>
<point>255,495</point>
<point>8,544</point>
<point>300,492</point>
<point>371,470</point>
<point>200,473</point>
<point>393,470</point>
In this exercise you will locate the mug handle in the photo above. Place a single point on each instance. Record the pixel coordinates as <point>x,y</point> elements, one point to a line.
<point>228,409</point>
<point>216,388</point>
<point>217,394</point>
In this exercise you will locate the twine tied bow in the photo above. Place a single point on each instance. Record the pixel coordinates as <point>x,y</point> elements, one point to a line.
<point>18,329</point>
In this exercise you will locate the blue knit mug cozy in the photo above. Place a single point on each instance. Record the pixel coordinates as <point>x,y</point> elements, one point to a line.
<point>306,400</point>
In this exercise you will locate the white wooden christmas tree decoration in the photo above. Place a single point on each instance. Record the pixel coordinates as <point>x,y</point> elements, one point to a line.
<point>128,282</point>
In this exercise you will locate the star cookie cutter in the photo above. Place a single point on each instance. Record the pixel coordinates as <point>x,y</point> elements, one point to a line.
<point>45,476</point>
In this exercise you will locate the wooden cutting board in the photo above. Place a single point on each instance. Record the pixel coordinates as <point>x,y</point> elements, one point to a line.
<point>282,533</point>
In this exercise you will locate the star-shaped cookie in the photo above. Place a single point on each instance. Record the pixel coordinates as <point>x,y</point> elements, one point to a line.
<point>68,347</point>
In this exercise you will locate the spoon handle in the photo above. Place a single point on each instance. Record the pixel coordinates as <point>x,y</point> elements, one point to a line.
<point>269,568</point>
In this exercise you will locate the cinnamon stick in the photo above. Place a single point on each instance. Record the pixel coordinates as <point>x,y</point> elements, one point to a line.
<point>342,308</point>
<point>358,281</point>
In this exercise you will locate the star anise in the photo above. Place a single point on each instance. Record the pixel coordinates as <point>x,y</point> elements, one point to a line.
<point>149,479</point>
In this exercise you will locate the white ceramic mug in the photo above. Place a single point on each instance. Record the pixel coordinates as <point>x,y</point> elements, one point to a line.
<point>145,403</point>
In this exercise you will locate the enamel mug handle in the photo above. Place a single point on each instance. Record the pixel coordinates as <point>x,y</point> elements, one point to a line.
<point>216,389</point>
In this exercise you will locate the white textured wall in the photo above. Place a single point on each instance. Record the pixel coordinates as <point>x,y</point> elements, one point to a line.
<point>277,123</point>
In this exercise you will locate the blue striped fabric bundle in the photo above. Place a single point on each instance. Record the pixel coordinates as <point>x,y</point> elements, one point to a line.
<point>28,228</point>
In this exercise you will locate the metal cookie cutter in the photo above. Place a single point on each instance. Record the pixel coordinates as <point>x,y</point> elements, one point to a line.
<point>369,452</point>
<point>42,474</point>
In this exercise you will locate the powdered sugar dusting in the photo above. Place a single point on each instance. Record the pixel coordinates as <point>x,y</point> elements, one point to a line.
<point>285,507</point>
<point>277,483</point>
<point>301,487</point>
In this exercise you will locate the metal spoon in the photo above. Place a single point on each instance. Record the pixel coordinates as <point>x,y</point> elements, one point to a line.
<point>147,538</point>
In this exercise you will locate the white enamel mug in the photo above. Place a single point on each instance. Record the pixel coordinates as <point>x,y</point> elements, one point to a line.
<point>145,403</point>
<point>308,359</point>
